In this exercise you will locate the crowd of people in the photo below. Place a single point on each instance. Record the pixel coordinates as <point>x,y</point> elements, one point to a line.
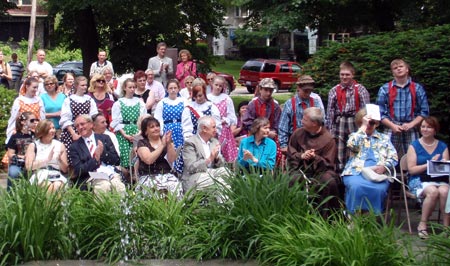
<point>182,133</point>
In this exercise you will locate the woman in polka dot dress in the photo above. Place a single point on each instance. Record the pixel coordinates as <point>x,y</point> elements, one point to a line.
<point>229,119</point>
<point>28,101</point>
<point>76,104</point>
<point>125,114</point>
<point>168,112</point>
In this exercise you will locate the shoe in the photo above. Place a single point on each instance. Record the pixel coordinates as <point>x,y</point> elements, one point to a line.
<point>423,234</point>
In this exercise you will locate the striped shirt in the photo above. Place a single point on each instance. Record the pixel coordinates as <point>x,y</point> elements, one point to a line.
<point>16,70</point>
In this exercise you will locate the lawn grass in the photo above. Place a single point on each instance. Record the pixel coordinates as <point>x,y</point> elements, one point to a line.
<point>231,67</point>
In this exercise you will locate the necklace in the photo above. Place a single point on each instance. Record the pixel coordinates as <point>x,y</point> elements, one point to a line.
<point>426,144</point>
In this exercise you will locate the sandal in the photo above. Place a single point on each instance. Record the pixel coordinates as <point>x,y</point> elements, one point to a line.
<point>423,234</point>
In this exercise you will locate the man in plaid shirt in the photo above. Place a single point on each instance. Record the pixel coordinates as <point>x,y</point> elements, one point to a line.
<point>344,101</point>
<point>403,105</point>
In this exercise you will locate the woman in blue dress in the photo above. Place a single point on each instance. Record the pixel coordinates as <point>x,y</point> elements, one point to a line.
<point>429,190</point>
<point>168,112</point>
<point>369,148</point>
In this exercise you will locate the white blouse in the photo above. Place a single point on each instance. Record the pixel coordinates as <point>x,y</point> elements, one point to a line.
<point>66,111</point>
<point>186,121</point>
<point>230,117</point>
<point>117,118</point>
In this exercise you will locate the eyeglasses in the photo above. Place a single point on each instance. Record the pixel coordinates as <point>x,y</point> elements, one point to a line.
<point>36,77</point>
<point>188,82</point>
<point>210,79</point>
<point>34,120</point>
<point>50,83</point>
<point>101,81</point>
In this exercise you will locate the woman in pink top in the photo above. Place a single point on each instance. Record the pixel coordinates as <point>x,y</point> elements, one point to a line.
<point>186,67</point>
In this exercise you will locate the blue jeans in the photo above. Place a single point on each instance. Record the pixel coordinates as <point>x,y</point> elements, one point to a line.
<point>14,172</point>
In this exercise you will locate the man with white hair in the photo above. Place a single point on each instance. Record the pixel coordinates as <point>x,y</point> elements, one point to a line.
<point>203,162</point>
<point>157,91</point>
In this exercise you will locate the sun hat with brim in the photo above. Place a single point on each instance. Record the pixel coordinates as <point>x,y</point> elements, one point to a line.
<point>267,83</point>
<point>305,79</point>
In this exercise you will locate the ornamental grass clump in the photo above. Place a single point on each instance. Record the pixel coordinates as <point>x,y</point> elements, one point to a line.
<point>311,240</point>
<point>437,247</point>
<point>31,225</point>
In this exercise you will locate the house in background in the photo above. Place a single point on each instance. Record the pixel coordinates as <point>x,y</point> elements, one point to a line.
<point>15,27</point>
<point>291,44</point>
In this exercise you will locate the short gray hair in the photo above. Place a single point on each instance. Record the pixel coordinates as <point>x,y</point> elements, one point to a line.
<point>204,121</point>
<point>86,118</point>
<point>315,114</point>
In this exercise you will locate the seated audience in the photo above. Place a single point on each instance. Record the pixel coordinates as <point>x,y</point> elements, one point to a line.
<point>368,148</point>
<point>156,155</point>
<point>67,87</point>
<point>240,131</point>
<point>18,144</point>
<point>258,151</point>
<point>47,157</point>
<point>94,153</point>
<point>186,92</point>
<point>204,165</point>
<point>429,190</point>
<point>100,127</point>
<point>312,149</point>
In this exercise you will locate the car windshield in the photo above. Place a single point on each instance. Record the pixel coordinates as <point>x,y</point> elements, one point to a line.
<point>252,66</point>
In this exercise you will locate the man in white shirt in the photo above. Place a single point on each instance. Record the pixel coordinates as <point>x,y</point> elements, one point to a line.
<point>161,65</point>
<point>43,68</point>
<point>98,66</point>
<point>157,91</point>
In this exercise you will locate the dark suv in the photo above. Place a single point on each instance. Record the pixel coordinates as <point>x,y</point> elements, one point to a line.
<point>284,73</point>
<point>75,67</point>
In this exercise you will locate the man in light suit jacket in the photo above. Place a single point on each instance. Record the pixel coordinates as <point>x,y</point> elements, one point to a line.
<point>161,64</point>
<point>94,153</point>
<point>203,162</point>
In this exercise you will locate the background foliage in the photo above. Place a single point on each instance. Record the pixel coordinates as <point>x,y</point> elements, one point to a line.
<point>427,51</point>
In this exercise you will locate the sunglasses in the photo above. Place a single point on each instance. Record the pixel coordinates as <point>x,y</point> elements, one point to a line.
<point>34,120</point>
<point>50,83</point>
<point>188,82</point>
<point>101,81</point>
<point>372,122</point>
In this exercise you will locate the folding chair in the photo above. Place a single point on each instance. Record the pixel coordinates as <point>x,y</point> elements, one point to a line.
<point>405,193</point>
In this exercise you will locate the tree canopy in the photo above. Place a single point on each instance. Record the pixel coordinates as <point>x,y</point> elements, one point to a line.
<point>365,16</point>
<point>130,29</point>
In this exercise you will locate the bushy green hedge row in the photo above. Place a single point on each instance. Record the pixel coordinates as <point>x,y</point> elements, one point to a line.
<point>427,51</point>
<point>261,218</point>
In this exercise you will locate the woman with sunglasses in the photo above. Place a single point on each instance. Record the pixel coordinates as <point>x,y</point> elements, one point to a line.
<point>76,104</point>
<point>28,101</point>
<point>186,92</point>
<point>18,143</point>
<point>102,95</point>
<point>53,101</point>
<point>369,148</point>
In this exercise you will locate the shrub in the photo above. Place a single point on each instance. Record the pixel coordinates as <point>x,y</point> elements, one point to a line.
<point>6,100</point>
<point>427,54</point>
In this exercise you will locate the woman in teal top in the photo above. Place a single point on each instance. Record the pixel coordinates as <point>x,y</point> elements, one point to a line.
<point>258,151</point>
<point>53,102</point>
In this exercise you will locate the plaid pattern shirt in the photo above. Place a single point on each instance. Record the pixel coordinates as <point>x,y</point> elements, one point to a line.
<point>349,108</point>
<point>403,102</point>
<point>286,127</point>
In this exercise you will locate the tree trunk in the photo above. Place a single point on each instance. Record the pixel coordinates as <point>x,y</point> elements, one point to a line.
<point>86,31</point>
<point>31,32</point>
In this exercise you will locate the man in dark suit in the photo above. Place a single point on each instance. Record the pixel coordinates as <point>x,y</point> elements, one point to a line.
<point>94,153</point>
<point>203,162</point>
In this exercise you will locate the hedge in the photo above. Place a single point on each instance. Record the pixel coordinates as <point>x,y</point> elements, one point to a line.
<point>427,51</point>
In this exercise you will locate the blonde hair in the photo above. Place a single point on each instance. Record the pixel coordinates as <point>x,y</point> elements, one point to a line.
<point>94,79</point>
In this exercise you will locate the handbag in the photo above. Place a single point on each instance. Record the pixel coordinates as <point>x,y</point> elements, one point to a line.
<point>369,174</point>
